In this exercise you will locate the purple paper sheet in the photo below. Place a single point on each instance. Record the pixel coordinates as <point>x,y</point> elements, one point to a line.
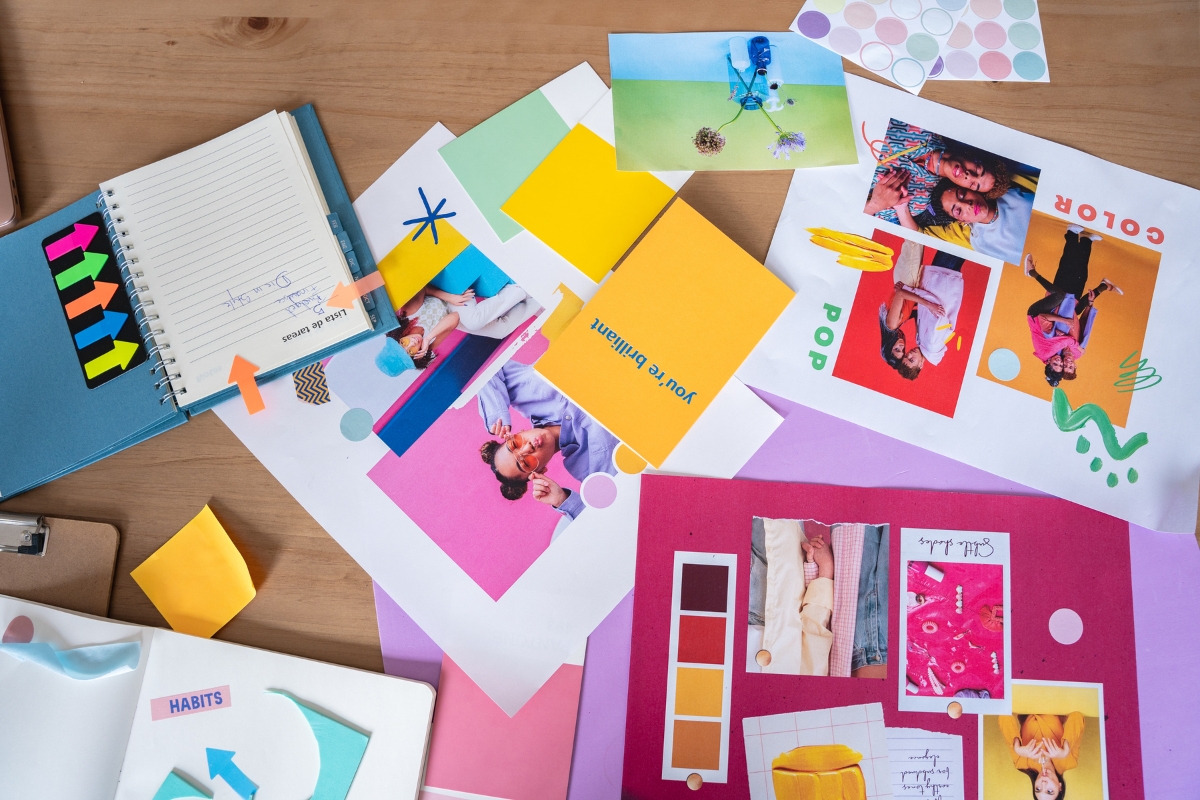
<point>812,447</point>
<point>1166,618</point>
<point>408,652</point>
<point>598,759</point>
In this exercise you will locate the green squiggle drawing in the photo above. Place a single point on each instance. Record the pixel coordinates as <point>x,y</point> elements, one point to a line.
<point>1072,420</point>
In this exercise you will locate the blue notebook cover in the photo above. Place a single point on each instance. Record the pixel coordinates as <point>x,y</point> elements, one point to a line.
<point>75,376</point>
<point>51,423</point>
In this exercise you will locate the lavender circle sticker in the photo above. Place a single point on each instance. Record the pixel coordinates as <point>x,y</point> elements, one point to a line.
<point>813,24</point>
<point>599,490</point>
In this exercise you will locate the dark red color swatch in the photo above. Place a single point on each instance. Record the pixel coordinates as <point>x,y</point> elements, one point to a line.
<point>701,640</point>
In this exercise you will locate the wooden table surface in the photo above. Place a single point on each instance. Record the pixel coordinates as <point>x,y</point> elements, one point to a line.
<point>91,90</point>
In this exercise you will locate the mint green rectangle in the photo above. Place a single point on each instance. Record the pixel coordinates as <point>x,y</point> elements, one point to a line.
<point>495,157</point>
<point>657,120</point>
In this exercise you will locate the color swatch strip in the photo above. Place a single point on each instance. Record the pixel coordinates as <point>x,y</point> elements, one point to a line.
<point>700,668</point>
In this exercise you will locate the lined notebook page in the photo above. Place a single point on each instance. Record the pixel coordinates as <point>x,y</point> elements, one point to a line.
<point>236,255</point>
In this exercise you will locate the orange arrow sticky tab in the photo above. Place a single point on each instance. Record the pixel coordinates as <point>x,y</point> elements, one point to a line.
<point>100,294</point>
<point>242,373</point>
<point>344,296</point>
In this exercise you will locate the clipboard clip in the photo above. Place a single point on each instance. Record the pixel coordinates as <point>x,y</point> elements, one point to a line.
<point>25,534</point>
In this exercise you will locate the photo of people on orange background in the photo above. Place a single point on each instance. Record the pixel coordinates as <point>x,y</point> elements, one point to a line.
<point>1072,315</point>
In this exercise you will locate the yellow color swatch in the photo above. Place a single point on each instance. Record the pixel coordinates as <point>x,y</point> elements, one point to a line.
<point>665,333</point>
<point>198,580</point>
<point>698,692</point>
<point>412,264</point>
<point>582,207</point>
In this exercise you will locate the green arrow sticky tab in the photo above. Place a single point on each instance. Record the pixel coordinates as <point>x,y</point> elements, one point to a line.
<point>88,268</point>
<point>119,356</point>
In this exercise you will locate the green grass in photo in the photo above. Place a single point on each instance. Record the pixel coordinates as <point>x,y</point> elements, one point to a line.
<point>656,120</point>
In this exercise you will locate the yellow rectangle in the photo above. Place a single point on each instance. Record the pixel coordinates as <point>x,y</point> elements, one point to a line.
<point>698,692</point>
<point>582,207</point>
<point>665,332</point>
<point>1055,698</point>
<point>413,263</point>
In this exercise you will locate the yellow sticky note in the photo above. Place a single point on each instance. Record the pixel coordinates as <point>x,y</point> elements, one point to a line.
<point>582,207</point>
<point>412,264</point>
<point>198,580</point>
<point>665,333</point>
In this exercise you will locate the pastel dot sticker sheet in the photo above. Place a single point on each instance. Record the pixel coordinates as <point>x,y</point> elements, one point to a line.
<point>899,40</point>
<point>995,40</point>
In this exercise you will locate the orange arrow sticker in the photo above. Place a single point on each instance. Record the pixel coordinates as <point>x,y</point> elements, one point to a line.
<point>242,373</point>
<point>102,292</point>
<point>344,296</point>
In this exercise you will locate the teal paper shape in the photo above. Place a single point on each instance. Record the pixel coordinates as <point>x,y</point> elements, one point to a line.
<point>340,747</point>
<point>177,786</point>
<point>496,156</point>
<point>80,663</point>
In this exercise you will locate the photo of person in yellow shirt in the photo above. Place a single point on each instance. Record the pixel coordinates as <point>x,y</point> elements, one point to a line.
<point>1044,747</point>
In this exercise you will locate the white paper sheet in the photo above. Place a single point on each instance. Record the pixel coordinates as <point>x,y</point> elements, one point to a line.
<point>61,737</point>
<point>926,765</point>
<point>994,427</point>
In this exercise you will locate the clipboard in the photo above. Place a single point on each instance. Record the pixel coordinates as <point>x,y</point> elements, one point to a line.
<point>60,562</point>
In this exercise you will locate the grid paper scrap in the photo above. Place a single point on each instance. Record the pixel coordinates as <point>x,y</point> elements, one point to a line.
<point>860,727</point>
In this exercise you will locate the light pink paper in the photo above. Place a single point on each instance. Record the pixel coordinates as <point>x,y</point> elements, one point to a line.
<point>478,748</point>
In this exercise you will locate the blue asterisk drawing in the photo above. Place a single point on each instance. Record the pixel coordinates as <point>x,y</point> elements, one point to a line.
<point>430,219</point>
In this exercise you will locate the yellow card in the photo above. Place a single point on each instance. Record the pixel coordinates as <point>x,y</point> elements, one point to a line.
<point>198,580</point>
<point>410,265</point>
<point>665,333</point>
<point>582,207</point>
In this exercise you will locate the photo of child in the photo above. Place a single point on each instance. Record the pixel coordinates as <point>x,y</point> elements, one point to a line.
<point>952,191</point>
<point>954,620</point>
<point>1053,738</point>
<point>911,328</point>
<point>1072,313</point>
<point>818,598</point>
<point>432,314</point>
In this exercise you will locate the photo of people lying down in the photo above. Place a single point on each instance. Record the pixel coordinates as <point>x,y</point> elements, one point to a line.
<point>952,191</point>
<point>818,598</point>
<point>1061,322</point>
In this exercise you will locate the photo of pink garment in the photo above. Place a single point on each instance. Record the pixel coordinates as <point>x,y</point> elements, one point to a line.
<point>955,618</point>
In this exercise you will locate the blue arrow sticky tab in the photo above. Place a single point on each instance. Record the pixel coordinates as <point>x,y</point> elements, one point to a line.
<point>108,327</point>
<point>220,765</point>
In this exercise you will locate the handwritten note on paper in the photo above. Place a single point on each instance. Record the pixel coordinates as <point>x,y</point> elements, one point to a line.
<point>925,764</point>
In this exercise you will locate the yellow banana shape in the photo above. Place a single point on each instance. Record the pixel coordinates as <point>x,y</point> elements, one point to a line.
<point>853,239</point>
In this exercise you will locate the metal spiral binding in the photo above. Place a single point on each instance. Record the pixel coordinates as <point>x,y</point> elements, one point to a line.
<point>158,352</point>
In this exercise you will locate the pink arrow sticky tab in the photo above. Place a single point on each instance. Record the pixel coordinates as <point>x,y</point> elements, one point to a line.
<point>80,238</point>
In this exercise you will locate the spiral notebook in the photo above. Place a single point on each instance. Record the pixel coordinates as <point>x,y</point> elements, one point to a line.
<point>128,307</point>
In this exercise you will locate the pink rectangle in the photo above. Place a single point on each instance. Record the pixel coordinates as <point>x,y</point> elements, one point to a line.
<point>180,705</point>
